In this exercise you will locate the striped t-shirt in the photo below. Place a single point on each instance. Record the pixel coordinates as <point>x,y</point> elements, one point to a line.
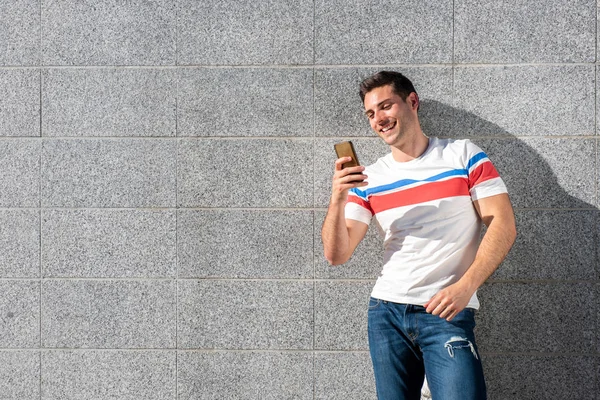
<point>424,210</point>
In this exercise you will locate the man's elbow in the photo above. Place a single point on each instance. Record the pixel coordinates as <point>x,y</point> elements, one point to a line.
<point>335,259</point>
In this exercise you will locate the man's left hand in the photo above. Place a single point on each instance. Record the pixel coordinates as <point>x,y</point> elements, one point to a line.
<point>449,301</point>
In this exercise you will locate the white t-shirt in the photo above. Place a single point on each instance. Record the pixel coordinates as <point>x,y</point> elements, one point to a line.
<point>424,210</point>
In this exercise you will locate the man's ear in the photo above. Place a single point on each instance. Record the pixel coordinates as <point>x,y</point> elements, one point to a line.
<point>413,101</point>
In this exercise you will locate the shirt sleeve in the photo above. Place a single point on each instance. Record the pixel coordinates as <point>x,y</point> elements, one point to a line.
<point>358,207</point>
<point>484,180</point>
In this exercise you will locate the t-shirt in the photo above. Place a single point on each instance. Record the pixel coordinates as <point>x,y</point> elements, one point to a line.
<point>424,211</point>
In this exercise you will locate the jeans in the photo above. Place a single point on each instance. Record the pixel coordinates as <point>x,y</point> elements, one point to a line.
<point>407,343</point>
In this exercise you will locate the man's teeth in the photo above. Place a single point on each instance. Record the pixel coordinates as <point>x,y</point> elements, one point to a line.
<point>387,128</point>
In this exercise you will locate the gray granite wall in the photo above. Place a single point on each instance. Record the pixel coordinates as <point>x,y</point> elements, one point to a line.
<point>165,168</point>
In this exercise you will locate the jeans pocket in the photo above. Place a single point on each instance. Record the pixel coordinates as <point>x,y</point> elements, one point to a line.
<point>374,303</point>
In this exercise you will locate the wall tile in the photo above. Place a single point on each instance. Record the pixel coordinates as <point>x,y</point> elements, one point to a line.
<point>108,314</point>
<point>245,102</point>
<point>537,317</point>
<point>245,173</point>
<point>244,32</point>
<point>19,314</point>
<point>545,172</point>
<point>513,31</point>
<point>109,102</point>
<point>20,178</point>
<point>378,32</point>
<point>241,375</point>
<point>340,112</point>
<point>110,32</point>
<point>20,32</point>
<point>125,375</point>
<point>116,243</point>
<point>525,100</point>
<point>108,173</point>
<point>19,101</point>
<point>20,374</point>
<point>366,262</point>
<point>20,243</point>
<point>341,315</point>
<point>245,244</point>
<point>552,245</point>
<point>217,314</point>
<point>344,376</point>
<point>522,377</point>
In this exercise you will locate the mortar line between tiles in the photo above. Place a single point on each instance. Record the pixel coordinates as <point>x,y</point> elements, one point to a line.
<point>289,280</point>
<point>314,230</point>
<point>274,209</point>
<point>314,41</point>
<point>593,354</point>
<point>538,354</point>
<point>544,281</point>
<point>306,66</point>
<point>165,209</point>
<point>314,290</point>
<point>554,209</point>
<point>291,138</point>
<point>189,350</point>
<point>203,279</point>
<point>41,141</point>
<point>177,141</point>
<point>453,37</point>
<point>289,351</point>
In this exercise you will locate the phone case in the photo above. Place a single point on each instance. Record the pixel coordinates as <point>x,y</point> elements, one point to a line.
<point>346,149</point>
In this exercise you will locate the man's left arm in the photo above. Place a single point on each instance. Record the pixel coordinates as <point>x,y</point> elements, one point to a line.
<point>497,214</point>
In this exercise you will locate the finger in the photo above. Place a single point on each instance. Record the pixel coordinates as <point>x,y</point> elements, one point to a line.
<point>431,305</point>
<point>354,170</point>
<point>353,178</point>
<point>440,308</point>
<point>451,316</point>
<point>340,161</point>
<point>448,312</point>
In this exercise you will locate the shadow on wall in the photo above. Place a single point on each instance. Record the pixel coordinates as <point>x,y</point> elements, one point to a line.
<point>542,299</point>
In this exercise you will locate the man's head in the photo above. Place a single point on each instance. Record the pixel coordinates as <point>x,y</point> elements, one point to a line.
<point>391,105</point>
<point>401,85</point>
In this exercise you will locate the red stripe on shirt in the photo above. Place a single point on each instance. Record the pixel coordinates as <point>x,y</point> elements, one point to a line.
<point>360,202</point>
<point>485,171</point>
<point>420,194</point>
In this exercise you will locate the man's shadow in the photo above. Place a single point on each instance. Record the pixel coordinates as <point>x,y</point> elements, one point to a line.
<point>541,304</point>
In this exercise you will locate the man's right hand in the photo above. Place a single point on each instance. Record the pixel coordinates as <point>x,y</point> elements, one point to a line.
<point>345,179</point>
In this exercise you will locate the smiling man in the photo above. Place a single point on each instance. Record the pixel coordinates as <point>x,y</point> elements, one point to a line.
<point>429,198</point>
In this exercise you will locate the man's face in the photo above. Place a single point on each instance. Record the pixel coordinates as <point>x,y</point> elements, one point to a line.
<point>389,115</point>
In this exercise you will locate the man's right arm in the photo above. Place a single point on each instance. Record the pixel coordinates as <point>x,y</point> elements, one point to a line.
<point>340,235</point>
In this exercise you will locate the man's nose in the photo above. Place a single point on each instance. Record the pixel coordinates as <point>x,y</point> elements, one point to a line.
<point>380,117</point>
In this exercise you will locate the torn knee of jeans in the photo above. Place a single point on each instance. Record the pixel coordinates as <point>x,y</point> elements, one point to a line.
<point>457,342</point>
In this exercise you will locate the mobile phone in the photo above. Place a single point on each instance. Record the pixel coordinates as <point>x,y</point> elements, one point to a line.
<point>346,149</point>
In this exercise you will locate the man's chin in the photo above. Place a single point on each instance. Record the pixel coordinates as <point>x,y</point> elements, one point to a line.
<point>389,140</point>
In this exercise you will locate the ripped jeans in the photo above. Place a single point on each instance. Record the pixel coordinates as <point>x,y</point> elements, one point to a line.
<point>406,343</point>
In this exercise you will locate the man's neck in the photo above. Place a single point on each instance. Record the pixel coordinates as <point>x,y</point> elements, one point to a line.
<point>411,148</point>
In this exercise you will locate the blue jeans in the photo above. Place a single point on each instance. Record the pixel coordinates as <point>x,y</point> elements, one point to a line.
<point>407,343</point>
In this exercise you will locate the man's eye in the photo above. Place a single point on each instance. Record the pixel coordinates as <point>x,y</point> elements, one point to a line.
<point>386,106</point>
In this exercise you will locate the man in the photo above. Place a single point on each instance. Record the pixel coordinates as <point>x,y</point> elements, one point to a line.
<point>429,197</point>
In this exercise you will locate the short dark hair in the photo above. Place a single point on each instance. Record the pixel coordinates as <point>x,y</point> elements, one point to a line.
<point>401,85</point>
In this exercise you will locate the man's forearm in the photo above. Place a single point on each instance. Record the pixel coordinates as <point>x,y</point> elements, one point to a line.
<point>494,247</point>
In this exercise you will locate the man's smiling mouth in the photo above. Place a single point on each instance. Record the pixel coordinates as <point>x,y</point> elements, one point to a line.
<point>388,127</point>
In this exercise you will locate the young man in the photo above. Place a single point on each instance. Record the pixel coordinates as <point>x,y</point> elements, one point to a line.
<point>429,197</point>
